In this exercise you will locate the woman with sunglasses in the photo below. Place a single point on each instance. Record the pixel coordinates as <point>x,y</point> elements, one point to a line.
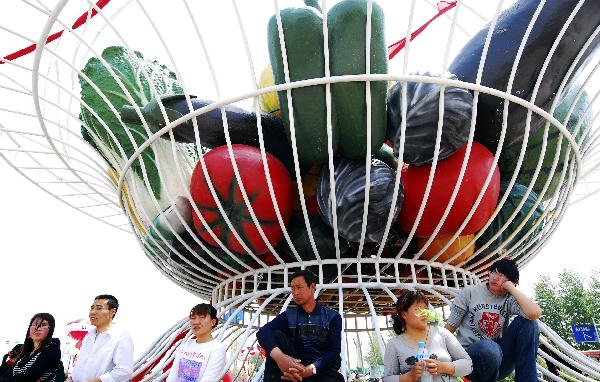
<point>447,359</point>
<point>39,359</point>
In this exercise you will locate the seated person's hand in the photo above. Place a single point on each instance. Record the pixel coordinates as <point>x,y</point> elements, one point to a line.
<point>416,372</point>
<point>436,367</point>
<point>292,375</point>
<point>299,373</point>
<point>508,285</point>
<point>284,361</point>
<point>432,366</point>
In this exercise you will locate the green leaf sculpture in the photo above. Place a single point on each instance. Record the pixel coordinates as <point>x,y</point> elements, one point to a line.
<point>138,75</point>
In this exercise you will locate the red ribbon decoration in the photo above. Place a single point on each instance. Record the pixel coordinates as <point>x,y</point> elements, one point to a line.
<point>392,49</point>
<point>443,7</point>
<point>79,22</point>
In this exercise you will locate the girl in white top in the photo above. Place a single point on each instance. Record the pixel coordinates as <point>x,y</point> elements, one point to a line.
<point>448,359</point>
<point>201,359</point>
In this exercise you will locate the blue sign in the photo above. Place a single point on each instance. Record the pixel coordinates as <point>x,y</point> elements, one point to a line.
<point>584,333</point>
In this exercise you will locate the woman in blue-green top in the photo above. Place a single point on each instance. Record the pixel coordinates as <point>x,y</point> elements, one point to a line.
<point>448,359</point>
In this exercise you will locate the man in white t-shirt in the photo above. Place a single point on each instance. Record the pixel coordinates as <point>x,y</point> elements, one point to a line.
<point>107,350</point>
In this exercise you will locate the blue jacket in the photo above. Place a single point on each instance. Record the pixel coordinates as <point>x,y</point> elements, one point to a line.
<point>316,336</point>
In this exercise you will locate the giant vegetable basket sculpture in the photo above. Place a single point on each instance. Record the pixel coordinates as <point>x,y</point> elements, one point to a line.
<point>242,141</point>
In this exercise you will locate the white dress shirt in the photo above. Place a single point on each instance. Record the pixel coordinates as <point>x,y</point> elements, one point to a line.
<point>108,356</point>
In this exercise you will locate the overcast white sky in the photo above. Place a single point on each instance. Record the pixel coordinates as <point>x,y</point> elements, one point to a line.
<point>54,259</point>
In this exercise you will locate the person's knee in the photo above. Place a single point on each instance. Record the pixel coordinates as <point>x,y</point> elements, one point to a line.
<point>487,358</point>
<point>535,329</point>
<point>486,352</point>
<point>285,344</point>
<point>526,327</point>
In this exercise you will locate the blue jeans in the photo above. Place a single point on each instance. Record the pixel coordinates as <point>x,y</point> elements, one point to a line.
<point>516,350</point>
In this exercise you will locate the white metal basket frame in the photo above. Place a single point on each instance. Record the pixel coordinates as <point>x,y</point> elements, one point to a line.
<point>162,350</point>
<point>224,292</point>
<point>327,81</point>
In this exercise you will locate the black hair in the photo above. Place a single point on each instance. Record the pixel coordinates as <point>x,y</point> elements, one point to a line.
<point>28,345</point>
<point>404,302</point>
<point>508,267</point>
<point>204,309</point>
<point>309,277</point>
<point>111,301</point>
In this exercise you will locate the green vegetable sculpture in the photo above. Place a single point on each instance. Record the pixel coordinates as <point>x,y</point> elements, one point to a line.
<point>303,36</point>
<point>515,196</point>
<point>114,139</point>
<point>577,124</point>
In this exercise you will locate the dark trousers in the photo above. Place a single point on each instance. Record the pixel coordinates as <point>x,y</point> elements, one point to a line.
<point>516,350</point>
<point>273,374</point>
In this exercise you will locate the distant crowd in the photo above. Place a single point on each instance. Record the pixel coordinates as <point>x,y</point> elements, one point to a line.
<point>304,342</point>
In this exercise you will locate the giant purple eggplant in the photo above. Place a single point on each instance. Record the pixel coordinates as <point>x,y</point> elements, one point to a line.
<point>242,125</point>
<point>505,42</point>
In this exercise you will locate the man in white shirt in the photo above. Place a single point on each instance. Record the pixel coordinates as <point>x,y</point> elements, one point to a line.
<point>107,351</point>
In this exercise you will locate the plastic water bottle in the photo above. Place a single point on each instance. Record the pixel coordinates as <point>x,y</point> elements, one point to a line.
<point>422,355</point>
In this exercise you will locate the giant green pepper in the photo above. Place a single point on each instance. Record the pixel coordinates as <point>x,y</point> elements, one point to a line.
<point>303,31</point>
<point>347,25</point>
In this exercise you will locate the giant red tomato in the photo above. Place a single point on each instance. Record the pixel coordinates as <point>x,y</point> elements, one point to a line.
<point>414,181</point>
<point>252,174</point>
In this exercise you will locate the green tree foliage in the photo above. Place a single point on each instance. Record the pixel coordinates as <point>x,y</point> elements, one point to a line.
<point>374,356</point>
<point>572,300</point>
<point>594,295</point>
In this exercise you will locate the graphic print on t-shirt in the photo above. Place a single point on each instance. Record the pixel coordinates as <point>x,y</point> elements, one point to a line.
<point>189,370</point>
<point>487,320</point>
<point>489,324</point>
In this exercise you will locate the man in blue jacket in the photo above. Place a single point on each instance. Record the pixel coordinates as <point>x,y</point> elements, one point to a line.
<point>304,342</point>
